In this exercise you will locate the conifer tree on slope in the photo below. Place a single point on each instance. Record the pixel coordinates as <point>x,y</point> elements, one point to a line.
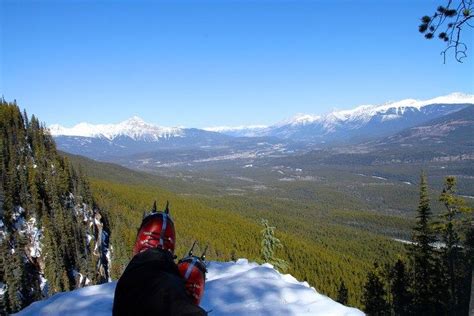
<point>374,297</point>
<point>422,254</point>
<point>455,264</point>
<point>401,297</point>
<point>269,245</point>
<point>342,293</point>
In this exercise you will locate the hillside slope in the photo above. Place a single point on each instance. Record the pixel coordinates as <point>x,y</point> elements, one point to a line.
<point>451,133</point>
<point>320,251</point>
<point>53,236</point>
<point>232,288</point>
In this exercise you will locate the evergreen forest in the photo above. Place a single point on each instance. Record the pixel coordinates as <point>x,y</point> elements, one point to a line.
<point>53,238</point>
<point>435,277</point>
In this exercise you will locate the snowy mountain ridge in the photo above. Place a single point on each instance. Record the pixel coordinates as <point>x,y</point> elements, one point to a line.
<point>368,121</point>
<point>359,113</point>
<point>232,288</point>
<point>220,129</point>
<point>242,130</point>
<point>135,128</point>
<point>365,112</point>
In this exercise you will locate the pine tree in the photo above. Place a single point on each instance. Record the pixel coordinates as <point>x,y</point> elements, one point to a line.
<point>342,293</point>
<point>421,253</point>
<point>25,119</point>
<point>4,271</point>
<point>374,297</point>
<point>401,297</point>
<point>454,263</point>
<point>469,243</point>
<point>469,246</point>
<point>29,290</point>
<point>16,280</point>
<point>268,246</point>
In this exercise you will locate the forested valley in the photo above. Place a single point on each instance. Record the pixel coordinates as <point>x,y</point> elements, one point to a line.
<point>69,221</point>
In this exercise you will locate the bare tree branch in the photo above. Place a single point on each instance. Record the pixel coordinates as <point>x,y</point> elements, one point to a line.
<point>447,23</point>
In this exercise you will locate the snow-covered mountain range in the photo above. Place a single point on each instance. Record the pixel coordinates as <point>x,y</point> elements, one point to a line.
<point>135,128</point>
<point>360,121</point>
<point>389,111</point>
<point>232,288</point>
<point>136,140</point>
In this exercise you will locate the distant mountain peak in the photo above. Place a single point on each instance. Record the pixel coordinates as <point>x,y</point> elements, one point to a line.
<point>300,119</point>
<point>134,120</point>
<point>134,127</point>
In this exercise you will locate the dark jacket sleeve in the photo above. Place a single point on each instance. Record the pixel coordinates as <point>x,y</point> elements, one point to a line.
<point>152,285</point>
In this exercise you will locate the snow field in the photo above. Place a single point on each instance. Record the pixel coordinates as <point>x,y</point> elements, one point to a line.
<point>232,288</point>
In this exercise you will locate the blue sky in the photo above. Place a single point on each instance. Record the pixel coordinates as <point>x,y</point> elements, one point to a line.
<point>208,63</point>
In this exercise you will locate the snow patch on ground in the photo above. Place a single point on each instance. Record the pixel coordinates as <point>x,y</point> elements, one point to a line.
<point>244,288</point>
<point>3,288</point>
<point>232,288</point>
<point>18,218</point>
<point>44,286</point>
<point>2,230</point>
<point>437,244</point>
<point>34,234</point>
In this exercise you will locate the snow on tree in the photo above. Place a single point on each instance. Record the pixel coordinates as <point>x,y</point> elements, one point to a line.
<point>269,245</point>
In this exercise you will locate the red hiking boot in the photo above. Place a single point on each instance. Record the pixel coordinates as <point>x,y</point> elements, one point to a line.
<point>193,270</point>
<point>156,231</point>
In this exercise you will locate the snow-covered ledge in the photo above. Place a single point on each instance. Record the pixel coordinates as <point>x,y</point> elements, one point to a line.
<point>232,288</point>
